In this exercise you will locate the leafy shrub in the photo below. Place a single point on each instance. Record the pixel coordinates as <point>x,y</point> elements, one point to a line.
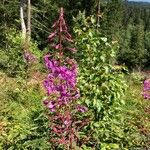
<point>102,89</point>
<point>101,84</point>
<point>13,55</point>
<point>13,61</point>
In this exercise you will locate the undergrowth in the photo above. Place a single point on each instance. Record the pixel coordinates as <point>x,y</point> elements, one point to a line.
<point>23,125</point>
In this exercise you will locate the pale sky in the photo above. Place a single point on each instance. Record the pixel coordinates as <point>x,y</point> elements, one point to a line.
<point>140,0</point>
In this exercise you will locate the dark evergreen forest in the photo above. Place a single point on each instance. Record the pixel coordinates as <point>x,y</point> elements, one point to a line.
<point>123,21</point>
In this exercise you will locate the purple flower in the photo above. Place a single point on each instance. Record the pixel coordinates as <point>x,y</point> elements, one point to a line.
<point>146,96</point>
<point>81,108</point>
<point>45,102</point>
<point>51,106</point>
<point>49,86</point>
<point>146,89</point>
<point>76,95</point>
<point>147,85</point>
<point>29,57</point>
<point>65,77</point>
<point>68,121</point>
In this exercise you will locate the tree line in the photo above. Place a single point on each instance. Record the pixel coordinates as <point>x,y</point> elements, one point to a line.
<point>128,23</point>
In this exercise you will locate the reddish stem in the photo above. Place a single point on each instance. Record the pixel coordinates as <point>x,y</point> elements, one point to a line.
<point>60,37</point>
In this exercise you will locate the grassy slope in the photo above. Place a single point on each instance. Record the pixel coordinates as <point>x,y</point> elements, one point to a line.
<point>22,122</point>
<point>138,109</point>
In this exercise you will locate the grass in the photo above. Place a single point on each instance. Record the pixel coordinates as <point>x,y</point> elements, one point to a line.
<point>23,124</point>
<point>138,109</point>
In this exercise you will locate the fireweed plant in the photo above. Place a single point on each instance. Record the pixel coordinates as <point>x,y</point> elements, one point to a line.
<point>64,111</point>
<point>146,89</point>
<point>29,57</point>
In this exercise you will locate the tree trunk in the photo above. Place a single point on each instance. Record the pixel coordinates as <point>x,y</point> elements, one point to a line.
<point>23,26</point>
<point>28,22</point>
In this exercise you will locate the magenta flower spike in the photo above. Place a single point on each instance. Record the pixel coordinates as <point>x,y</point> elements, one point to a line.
<point>146,89</point>
<point>61,87</point>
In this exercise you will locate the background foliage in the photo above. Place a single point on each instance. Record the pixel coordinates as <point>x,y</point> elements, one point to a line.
<point>119,115</point>
<point>127,22</point>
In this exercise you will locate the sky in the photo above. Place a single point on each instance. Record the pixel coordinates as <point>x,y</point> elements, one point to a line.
<point>140,0</point>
